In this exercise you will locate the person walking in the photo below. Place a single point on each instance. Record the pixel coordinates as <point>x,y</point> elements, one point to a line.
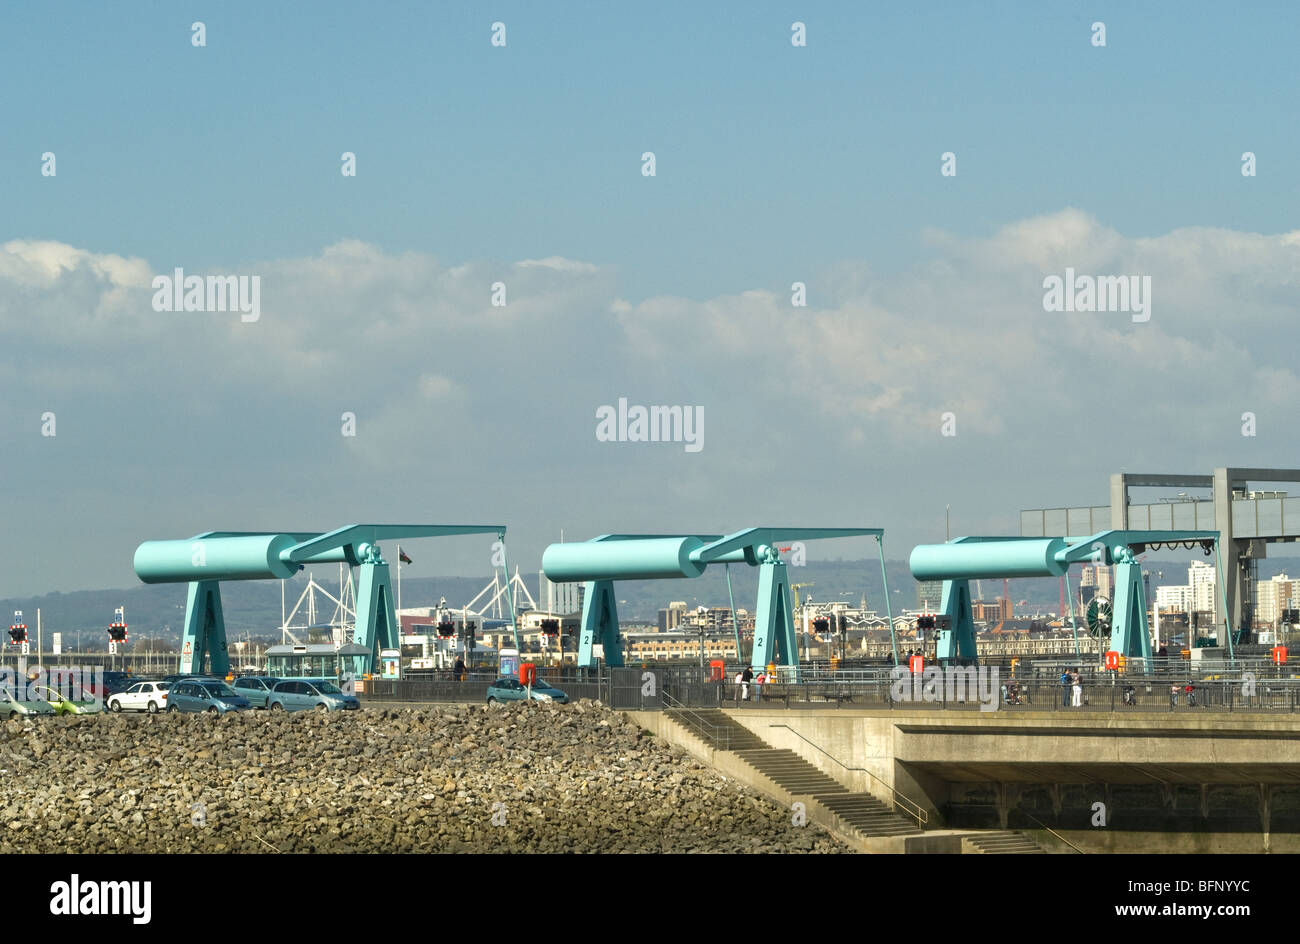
<point>1077,683</point>
<point>746,677</point>
<point>740,684</point>
<point>1065,688</point>
<point>1173,695</point>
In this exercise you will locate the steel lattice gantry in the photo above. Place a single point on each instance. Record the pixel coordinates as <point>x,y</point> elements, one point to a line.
<point>1246,521</point>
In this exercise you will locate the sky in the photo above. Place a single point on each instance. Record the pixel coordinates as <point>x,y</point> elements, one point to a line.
<point>923,371</point>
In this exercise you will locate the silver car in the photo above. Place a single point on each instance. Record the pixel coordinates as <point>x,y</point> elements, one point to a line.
<point>256,688</point>
<point>318,694</point>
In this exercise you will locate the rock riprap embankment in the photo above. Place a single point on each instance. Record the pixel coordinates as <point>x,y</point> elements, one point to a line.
<point>447,778</point>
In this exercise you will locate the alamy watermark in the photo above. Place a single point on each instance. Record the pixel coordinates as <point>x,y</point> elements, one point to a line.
<point>75,683</point>
<point>214,293</point>
<point>78,896</point>
<point>951,683</point>
<point>1126,293</point>
<point>683,424</point>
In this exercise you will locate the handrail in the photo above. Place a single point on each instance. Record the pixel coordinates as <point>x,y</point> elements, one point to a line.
<point>699,720</point>
<point>1052,831</point>
<point>916,812</point>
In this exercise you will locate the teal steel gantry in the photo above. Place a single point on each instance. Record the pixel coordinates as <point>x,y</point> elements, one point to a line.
<point>206,559</point>
<point>976,558</point>
<point>601,561</point>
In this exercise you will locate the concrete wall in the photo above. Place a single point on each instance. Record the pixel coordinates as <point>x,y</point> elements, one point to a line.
<point>1170,783</point>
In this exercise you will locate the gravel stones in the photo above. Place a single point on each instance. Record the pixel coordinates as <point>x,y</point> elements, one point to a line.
<point>446,778</point>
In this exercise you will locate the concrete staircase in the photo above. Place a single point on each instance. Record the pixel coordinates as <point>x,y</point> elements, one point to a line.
<point>869,823</point>
<point>860,819</point>
<point>1000,842</point>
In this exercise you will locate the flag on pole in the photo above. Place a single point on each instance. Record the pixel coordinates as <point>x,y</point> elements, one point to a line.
<point>401,556</point>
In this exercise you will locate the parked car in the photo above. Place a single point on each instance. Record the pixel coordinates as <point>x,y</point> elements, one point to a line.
<point>511,689</point>
<point>256,688</point>
<point>11,707</point>
<point>317,694</point>
<point>142,696</point>
<point>63,705</point>
<point>204,694</point>
<point>114,682</point>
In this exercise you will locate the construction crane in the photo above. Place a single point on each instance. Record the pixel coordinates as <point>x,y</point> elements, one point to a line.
<point>795,587</point>
<point>803,626</point>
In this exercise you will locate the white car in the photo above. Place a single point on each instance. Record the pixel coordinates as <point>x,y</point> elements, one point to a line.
<point>142,696</point>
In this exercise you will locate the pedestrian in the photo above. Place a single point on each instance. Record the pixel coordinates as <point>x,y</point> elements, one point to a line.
<point>1077,683</point>
<point>740,684</point>
<point>759,680</point>
<point>1065,688</point>
<point>1173,695</point>
<point>746,677</point>
<point>1191,695</point>
<point>459,669</point>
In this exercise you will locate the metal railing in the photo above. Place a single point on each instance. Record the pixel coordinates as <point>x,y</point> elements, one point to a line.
<point>1256,687</point>
<point>910,807</point>
<point>1138,694</point>
<point>718,735</point>
<point>1043,825</point>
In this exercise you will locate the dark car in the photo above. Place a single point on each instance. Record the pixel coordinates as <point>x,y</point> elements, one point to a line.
<point>114,684</point>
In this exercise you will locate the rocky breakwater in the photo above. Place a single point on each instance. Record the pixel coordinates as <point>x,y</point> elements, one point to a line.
<point>449,778</point>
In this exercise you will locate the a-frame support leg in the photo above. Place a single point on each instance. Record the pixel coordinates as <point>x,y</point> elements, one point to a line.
<point>1128,629</point>
<point>377,626</point>
<point>774,638</point>
<point>599,625</point>
<point>956,642</point>
<point>205,631</point>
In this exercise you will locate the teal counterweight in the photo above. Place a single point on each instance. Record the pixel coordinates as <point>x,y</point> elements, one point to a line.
<point>245,557</point>
<point>634,559</point>
<point>988,560</point>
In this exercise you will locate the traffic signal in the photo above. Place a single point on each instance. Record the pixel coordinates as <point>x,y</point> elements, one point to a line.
<point>446,629</point>
<point>18,633</point>
<point>821,625</point>
<point>551,627</point>
<point>117,632</point>
<point>925,622</point>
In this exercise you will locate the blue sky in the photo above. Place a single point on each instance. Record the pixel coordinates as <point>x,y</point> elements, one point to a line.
<point>773,161</point>
<point>774,164</point>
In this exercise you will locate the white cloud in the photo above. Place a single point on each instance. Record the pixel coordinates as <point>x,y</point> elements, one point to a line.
<point>197,404</point>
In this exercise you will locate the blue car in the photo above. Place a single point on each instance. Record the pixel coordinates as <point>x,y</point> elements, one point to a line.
<point>511,689</point>
<point>204,694</point>
<point>315,694</point>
